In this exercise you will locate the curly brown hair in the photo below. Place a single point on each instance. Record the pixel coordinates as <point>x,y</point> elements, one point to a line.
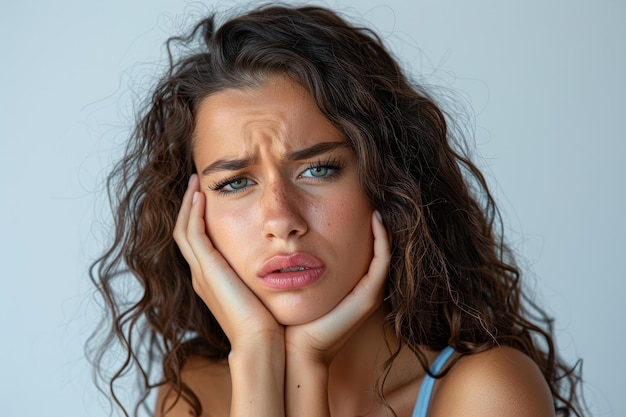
<point>452,280</point>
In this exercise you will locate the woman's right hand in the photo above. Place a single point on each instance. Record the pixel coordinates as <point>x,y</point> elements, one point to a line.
<point>243,317</point>
<point>257,356</point>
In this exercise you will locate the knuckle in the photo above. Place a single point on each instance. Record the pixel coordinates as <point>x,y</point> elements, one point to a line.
<point>195,283</point>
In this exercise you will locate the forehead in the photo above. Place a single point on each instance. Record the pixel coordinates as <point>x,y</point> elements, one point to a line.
<point>281,115</point>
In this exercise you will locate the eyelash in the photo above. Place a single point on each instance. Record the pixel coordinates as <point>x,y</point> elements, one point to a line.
<point>334,164</point>
<point>219,186</point>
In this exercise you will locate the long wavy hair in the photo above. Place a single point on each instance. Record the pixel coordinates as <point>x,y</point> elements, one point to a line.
<point>452,279</point>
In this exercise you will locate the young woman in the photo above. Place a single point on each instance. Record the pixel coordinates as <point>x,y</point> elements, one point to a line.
<point>310,241</point>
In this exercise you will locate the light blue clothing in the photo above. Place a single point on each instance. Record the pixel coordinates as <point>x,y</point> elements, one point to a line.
<point>426,390</point>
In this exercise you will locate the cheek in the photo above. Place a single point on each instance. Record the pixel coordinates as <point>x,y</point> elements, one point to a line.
<point>229,230</point>
<point>345,219</point>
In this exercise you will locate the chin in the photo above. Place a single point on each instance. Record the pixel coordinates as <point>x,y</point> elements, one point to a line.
<point>298,315</point>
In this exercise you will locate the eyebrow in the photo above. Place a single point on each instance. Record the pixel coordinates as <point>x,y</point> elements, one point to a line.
<point>315,150</point>
<point>227,165</point>
<point>306,153</point>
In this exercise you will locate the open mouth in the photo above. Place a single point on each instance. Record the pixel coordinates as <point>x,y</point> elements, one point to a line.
<point>293,269</point>
<point>293,277</point>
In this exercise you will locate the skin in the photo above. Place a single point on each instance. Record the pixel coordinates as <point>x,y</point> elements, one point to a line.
<point>275,204</point>
<point>317,350</point>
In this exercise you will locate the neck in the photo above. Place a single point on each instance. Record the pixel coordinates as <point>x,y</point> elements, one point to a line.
<point>354,375</point>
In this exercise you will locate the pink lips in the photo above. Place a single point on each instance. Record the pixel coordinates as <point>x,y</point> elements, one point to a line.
<point>293,271</point>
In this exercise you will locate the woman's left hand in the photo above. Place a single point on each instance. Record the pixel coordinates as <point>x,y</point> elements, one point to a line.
<point>322,338</point>
<point>311,347</point>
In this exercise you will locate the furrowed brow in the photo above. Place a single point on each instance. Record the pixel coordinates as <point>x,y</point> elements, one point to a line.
<point>300,154</point>
<point>315,150</point>
<point>227,165</point>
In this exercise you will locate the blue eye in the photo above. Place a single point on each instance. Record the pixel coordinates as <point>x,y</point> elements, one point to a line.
<point>317,171</point>
<point>323,170</point>
<point>237,184</point>
<point>232,185</point>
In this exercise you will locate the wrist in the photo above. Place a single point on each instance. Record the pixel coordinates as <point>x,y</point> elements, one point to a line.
<point>255,342</point>
<point>306,386</point>
<point>266,350</point>
<point>303,349</point>
<point>257,380</point>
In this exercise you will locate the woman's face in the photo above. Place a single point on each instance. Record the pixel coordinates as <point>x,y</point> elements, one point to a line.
<point>283,201</point>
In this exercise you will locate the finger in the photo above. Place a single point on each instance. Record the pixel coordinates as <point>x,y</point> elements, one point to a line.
<point>199,245</point>
<point>216,275</point>
<point>197,237</point>
<point>182,221</point>
<point>185,207</point>
<point>376,275</point>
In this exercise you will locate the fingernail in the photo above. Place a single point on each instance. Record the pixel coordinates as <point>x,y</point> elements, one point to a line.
<point>190,178</point>
<point>195,197</point>
<point>378,215</point>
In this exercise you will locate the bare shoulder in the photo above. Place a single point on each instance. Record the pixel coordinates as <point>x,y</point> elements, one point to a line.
<point>501,381</point>
<point>209,380</point>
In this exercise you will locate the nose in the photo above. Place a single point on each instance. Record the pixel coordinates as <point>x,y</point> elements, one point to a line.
<point>282,212</point>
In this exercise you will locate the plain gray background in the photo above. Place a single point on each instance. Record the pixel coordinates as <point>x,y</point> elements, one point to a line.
<point>545,80</point>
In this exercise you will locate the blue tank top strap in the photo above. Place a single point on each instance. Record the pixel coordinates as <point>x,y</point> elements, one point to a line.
<point>426,390</point>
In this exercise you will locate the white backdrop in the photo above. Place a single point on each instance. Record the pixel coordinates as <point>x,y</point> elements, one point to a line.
<point>545,79</point>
